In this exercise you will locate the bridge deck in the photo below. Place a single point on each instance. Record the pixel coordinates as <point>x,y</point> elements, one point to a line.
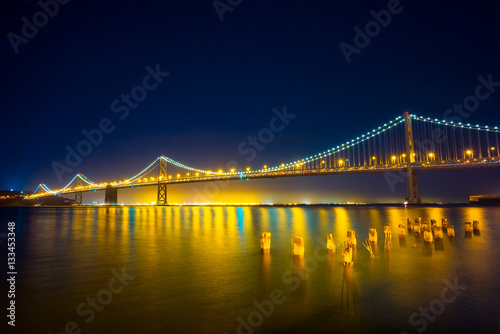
<point>455,164</point>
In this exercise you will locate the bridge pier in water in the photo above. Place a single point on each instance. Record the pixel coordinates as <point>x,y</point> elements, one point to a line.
<point>111,195</point>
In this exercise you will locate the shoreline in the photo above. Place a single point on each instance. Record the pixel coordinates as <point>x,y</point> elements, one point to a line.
<point>267,205</point>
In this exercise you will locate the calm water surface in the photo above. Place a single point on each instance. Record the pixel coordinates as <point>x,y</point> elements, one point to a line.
<point>200,270</point>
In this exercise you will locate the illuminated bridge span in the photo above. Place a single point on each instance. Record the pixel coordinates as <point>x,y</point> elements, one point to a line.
<point>405,144</point>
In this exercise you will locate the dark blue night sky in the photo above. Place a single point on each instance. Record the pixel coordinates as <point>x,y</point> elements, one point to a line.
<point>225,78</point>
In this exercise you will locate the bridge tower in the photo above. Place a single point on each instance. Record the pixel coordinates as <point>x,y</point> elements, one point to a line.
<point>78,194</point>
<point>111,195</point>
<point>162,182</point>
<point>411,176</point>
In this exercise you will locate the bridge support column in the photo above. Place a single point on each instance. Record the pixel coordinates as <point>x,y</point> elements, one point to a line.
<point>111,195</point>
<point>78,194</point>
<point>162,183</point>
<point>78,197</point>
<point>411,177</point>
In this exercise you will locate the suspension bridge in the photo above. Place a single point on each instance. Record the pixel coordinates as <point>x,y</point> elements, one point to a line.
<point>406,144</point>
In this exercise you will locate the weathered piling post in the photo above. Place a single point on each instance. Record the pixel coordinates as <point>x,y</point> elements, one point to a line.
<point>434,228</point>
<point>298,246</point>
<point>475,228</point>
<point>428,236</point>
<point>468,230</point>
<point>401,230</point>
<point>468,227</point>
<point>347,254</point>
<point>451,231</point>
<point>410,223</point>
<point>265,241</point>
<point>351,238</point>
<point>438,233</point>
<point>330,242</point>
<point>433,222</point>
<point>387,238</point>
<point>475,225</point>
<point>444,223</point>
<point>424,225</point>
<point>387,233</point>
<point>372,235</point>
<point>402,235</point>
<point>418,220</point>
<point>416,229</point>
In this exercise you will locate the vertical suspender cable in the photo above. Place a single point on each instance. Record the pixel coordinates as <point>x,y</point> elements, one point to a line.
<point>479,148</point>
<point>454,142</point>
<point>470,139</point>
<point>496,137</point>
<point>462,142</point>
<point>488,143</point>
<point>359,160</point>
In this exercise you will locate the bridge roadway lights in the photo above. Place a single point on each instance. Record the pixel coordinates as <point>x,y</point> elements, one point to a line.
<point>111,195</point>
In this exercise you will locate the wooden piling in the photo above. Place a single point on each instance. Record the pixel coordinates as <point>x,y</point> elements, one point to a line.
<point>351,238</point>
<point>347,254</point>
<point>410,224</point>
<point>468,227</point>
<point>298,246</point>
<point>451,231</point>
<point>401,230</point>
<point>330,242</point>
<point>438,233</point>
<point>475,225</point>
<point>416,229</point>
<point>428,238</point>
<point>265,241</point>
<point>372,235</point>
<point>387,233</point>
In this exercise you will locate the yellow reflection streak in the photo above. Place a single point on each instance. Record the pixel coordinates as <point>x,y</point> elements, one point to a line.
<point>341,224</point>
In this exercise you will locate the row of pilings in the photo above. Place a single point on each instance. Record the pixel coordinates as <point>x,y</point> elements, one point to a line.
<point>430,232</point>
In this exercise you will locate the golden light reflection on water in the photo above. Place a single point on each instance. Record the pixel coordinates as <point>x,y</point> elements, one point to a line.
<point>375,219</point>
<point>341,224</point>
<point>203,266</point>
<point>264,219</point>
<point>281,217</point>
<point>394,218</point>
<point>298,217</point>
<point>266,272</point>
<point>324,219</point>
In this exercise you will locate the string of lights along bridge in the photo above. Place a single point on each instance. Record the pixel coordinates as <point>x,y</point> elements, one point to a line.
<point>406,144</point>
